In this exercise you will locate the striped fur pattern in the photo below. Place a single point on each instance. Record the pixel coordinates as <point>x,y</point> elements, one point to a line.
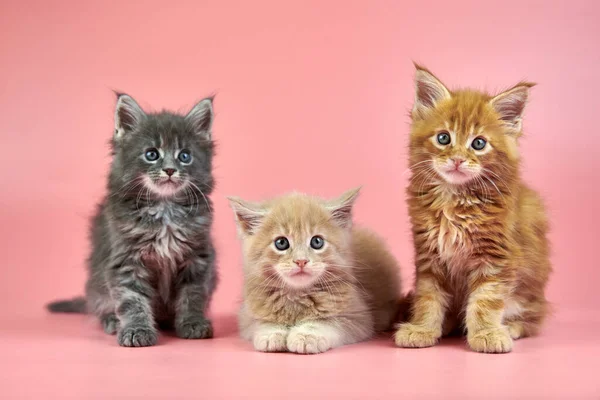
<point>481,252</point>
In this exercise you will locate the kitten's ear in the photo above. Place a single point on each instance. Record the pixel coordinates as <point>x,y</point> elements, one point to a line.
<point>128,114</point>
<point>429,91</point>
<point>341,208</point>
<point>511,104</point>
<point>200,118</point>
<point>248,216</point>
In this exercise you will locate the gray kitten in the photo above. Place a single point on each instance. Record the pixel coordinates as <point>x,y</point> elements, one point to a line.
<point>153,261</point>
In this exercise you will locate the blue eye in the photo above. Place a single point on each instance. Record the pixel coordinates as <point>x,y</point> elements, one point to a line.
<point>185,156</point>
<point>443,138</point>
<point>282,243</point>
<point>317,242</point>
<point>151,155</point>
<point>478,143</point>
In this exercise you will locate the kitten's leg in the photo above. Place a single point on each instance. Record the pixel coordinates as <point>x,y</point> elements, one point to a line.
<point>132,294</point>
<point>195,284</point>
<point>525,318</point>
<point>110,323</point>
<point>428,310</point>
<point>319,336</point>
<point>485,308</point>
<point>269,337</point>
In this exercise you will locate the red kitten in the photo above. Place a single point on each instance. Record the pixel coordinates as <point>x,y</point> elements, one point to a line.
<point>479,232</point>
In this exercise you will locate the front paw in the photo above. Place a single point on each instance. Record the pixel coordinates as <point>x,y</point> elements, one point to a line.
<point>307,343</point>
<point>409,335</point>
<point>496,340</point>
<point>194,329</point>
<point>137,336</point>
<point>270,341</point>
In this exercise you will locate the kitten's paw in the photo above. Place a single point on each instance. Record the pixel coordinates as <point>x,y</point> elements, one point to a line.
<point>515,329</point>
<point>270,341</point>
<point>495,340</point>
<point>110,323</point>
<point>194,329</point>
<point>409,335</point>
<point>307,343</point>
<point>137,336</point>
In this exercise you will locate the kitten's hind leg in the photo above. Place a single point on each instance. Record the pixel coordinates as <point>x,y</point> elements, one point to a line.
<point>525,320</point>
<point>195,285</point>
<point>110,323</point>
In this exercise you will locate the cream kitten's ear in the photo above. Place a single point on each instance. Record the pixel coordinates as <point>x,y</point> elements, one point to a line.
<point>429,91</point>
<point>511,104</point>
<point>341,208</point>
<point>128,114</point>
<point>248,216</point>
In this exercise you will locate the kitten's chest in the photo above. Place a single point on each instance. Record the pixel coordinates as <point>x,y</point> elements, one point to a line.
<point>165,237</point>
<point>453,229</point>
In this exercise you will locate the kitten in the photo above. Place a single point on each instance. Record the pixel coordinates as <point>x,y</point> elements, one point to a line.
<point>482,256</point>
<point>312,282</point>
<point>152,259</point>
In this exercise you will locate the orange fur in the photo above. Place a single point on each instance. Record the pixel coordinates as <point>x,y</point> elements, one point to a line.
<point>482,257</point>
<point>351,290</point>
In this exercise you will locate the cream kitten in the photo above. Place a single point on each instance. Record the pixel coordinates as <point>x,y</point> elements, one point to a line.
<point>312,282</point>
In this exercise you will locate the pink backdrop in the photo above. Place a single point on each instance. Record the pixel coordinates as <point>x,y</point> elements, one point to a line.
<point>312,98</point>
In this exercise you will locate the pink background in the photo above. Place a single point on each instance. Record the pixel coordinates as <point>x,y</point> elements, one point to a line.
<point>311,96</point>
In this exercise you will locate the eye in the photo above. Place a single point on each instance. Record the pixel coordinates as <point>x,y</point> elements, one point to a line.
<point>479,143</point>
<point>443,138</point>
<point>151,155</point>
<point>282,243</point>
<point>185,156</point>
<point>317,242</point>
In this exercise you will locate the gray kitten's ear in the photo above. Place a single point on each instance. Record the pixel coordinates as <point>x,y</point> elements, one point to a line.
<point>128,114</point>
<point>200,118</point>
<point>511,104</point>
<point>248,216</point>
<point>341,208</point>
<point>429,91</point>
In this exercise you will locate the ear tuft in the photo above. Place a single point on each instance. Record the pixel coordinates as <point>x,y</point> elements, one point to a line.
<point>429,91</point>
<point>128,115</point>
<point>510,105</point>
<point>248,216</point>
<point>200,117</point>
<point>341,208</point>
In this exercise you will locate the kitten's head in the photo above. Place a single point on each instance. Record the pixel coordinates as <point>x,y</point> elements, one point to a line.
<point>465,136</point>
<point>296,240</point>
<point>162,154</point>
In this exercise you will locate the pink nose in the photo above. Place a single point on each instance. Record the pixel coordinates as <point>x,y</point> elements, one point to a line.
<point>457,162</point>
<point>301,263</point>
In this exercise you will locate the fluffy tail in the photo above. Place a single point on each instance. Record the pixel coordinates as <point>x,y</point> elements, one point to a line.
<point>75,305</point>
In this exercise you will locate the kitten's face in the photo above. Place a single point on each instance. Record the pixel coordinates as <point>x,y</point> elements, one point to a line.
<point>464,137</point>
<point>163,155</point>
<point>297,241</point>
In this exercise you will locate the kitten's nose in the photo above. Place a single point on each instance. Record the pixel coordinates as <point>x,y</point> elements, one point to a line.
<point>457,161</point>
<point>301,263</point>
<point>169,171</point>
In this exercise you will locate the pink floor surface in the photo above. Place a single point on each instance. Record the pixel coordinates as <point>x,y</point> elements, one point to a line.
<point>68,357</point>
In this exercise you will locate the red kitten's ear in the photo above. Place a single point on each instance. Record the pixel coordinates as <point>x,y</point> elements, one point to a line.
<point>248,216</point>
<point>429,91</point>
<point>341,208</point>
<point>511,104</point>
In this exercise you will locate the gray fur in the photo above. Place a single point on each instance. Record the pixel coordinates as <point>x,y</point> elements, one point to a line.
<point>153,261</point>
